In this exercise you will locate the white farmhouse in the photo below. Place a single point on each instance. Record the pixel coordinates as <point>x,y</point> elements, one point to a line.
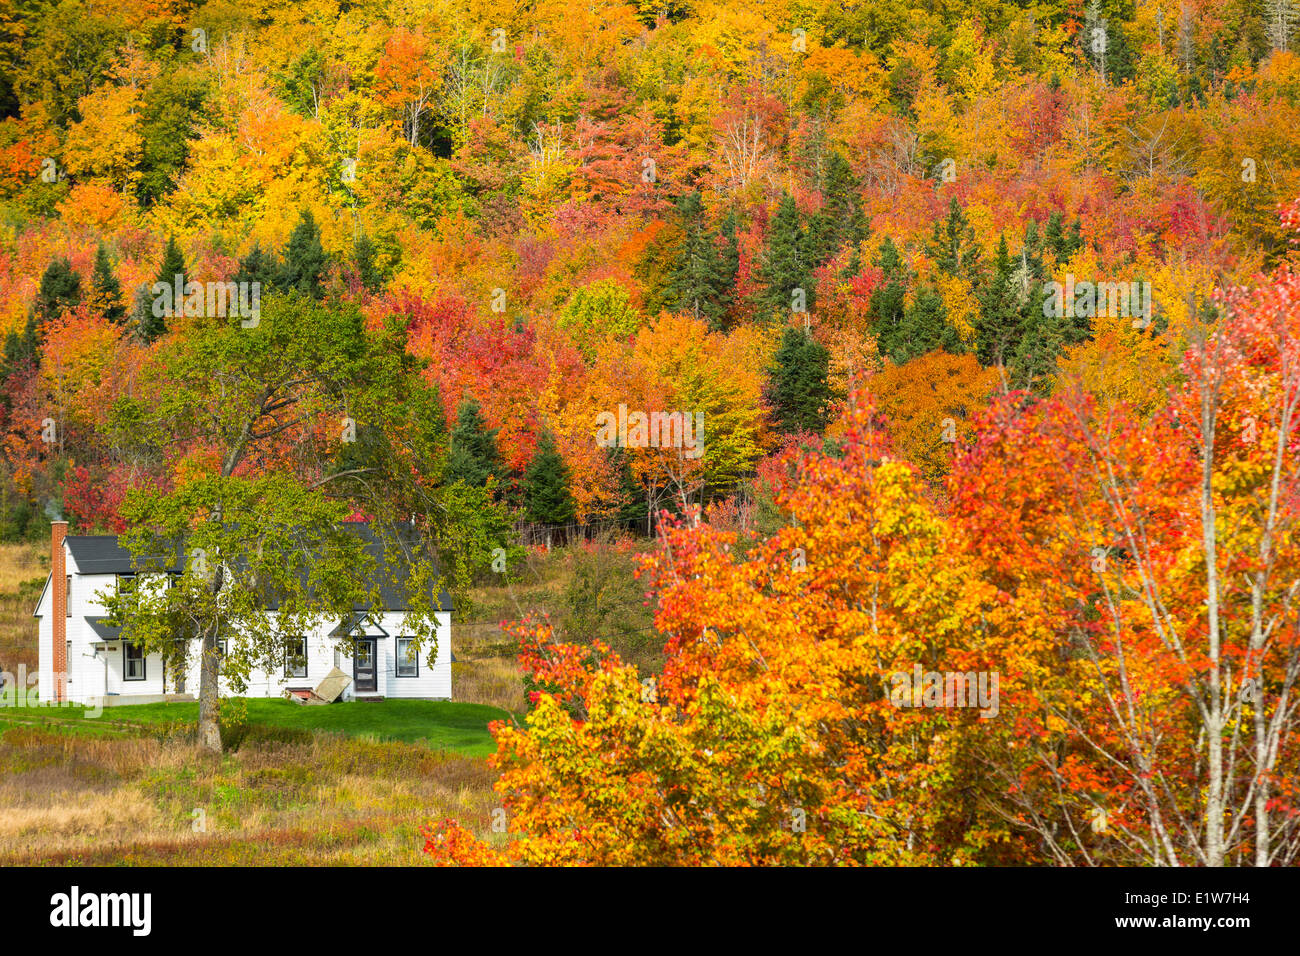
<point>83,659</point>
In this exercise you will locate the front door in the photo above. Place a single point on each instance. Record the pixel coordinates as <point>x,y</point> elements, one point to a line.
<point>364,678</point>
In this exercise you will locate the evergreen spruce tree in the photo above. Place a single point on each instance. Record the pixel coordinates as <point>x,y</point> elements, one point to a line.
<point>105,289</point>
<point>1076,328</point>
<point>924,328</point>
<point>1121,62</point>
<point>304,258</point>
<point>60,289</point>
<point>1053,235</point>
<point>840,220</point>
<point>699,282</point>
<point>546,485</point>
<point>149,325</point>
<point>998,324</point>
<point>787,266</point>
<point>800,393</point>
<point>952,244</point>
<point>886,307</point>
<point>259,266</point>
<point>364,257</point>
<point>819,238</point>
<point>20,347</point>
<point>633,511</point>
<point>1040,343</point>
<point>173,264</point>
<point>1031,254</point>
<point>854,265</point>
<point>473,447</point>
<point>435,418</point>
<point>141,319</point>
<point>1064,241</point>
<point>1074,236</point>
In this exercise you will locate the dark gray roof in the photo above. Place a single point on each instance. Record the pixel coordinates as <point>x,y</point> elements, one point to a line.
<point>101,554</point>
<point>392,590</point>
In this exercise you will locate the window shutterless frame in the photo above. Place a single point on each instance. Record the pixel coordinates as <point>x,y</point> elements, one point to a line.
<point>411,662</point>
<point>296,668</point>
<point>132,655</point>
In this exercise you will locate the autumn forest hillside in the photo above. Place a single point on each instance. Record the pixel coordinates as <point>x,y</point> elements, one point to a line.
<point>894,334</point>
<point>568,207</point>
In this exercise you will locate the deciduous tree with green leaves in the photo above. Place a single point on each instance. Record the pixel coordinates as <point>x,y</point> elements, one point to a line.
<point>598,312</point>
<point>263,423</point>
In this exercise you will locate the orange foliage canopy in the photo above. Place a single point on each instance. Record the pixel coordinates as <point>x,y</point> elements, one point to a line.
<point>1128,578</point>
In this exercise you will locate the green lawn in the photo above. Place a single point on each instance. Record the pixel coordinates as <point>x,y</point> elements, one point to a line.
<point>440,725</point>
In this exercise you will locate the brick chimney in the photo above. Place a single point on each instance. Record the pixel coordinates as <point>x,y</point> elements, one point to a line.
<point>59,581</point>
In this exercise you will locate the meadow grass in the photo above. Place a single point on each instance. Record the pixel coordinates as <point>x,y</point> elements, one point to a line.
<point>439,725</point>
<point>23,569</point>
<point>134,796</point>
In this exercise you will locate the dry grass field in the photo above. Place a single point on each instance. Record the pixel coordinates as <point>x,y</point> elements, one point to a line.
<point>585,590</point>
<point>23,569</point>
<point>94,795</point>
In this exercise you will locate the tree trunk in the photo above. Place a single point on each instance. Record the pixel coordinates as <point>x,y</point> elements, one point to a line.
<point>209,669</point>
<point>209,731</point>
<point>209,663</point>
<point>1214,798</point>
<point>1263,834</point>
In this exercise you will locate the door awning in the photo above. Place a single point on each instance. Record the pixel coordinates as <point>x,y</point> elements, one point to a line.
<point>356,626</point>
<point>107,633</point>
